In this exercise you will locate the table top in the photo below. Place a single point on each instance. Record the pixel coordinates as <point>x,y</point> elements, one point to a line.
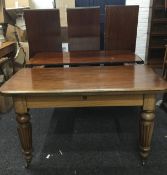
<point>84,57</point>
<point>85,80</point>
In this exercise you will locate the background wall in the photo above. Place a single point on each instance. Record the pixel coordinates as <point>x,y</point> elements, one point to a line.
<point>39,4</point>
<point>1,11</point>
<point>20,3</point>
<point>63,5</point>
<point>143,25</point>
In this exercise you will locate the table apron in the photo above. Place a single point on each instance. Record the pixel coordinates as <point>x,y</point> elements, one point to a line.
<point>84,101</point>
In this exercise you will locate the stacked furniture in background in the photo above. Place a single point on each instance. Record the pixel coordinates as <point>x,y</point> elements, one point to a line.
<point>121,27</point>
<point>84,35</point>
<point>43,30</point>
<point>7,53</point>
<point>84,28</point>
<point>158,34</point>
<point>101,4</point>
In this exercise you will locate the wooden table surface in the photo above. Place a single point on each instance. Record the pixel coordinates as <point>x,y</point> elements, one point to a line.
<point>137,78</point>
<point>84,57</point>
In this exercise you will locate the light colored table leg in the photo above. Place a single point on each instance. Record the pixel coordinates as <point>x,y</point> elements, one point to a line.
<point>146,126</point>
<point>24,128</point>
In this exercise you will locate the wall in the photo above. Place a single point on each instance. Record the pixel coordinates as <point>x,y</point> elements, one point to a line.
<point>63,5</point>
<point>15,3</point>
<point>143,25</point>
<point>1,11</point>
<point>41,4</point>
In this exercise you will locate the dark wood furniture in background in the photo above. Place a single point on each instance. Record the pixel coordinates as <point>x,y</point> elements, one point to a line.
<point>83,28</point>
<point>121,27</point>
<point>7,53</point>
<point>76,58</point>
<point>101,4</point>
<point>7,48</point>
<point>43,30</point>
<point>85,87</point>
<point>158,34</point>
<point>165,4</point>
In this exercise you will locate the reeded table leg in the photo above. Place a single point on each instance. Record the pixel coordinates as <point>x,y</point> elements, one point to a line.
<point>146,126</point>
<point>24,129</point>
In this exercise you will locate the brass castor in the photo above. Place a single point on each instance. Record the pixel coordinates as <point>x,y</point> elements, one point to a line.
<point>143,162</point>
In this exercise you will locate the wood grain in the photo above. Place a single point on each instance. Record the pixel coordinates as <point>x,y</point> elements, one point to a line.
<point>82,80</point>
<point>84,28</point>
<point>84,57</point>
<point>83,101</point>
<point>121,27</point>
<point>43,30</point>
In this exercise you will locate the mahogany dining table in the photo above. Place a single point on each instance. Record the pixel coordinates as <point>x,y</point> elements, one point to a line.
<point>79,58</point>
<point>86,86</point>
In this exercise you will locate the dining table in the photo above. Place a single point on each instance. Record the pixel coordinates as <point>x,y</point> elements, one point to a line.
<point>86,86</point>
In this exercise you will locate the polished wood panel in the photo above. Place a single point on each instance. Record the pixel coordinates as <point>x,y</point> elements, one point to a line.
<point>84,28</point>
<point>43,30</point>
<point>81,80</point>
<point>121,27</point>
<point>84,58</point>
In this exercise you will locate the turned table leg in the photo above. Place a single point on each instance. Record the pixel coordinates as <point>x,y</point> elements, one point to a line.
<point>146,125</point>
<point>24,128</point>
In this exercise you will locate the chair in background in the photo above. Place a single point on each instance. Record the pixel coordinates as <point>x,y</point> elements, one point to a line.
<point>121,27</point>
<point>84,28</point>
<point>43,30</point>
